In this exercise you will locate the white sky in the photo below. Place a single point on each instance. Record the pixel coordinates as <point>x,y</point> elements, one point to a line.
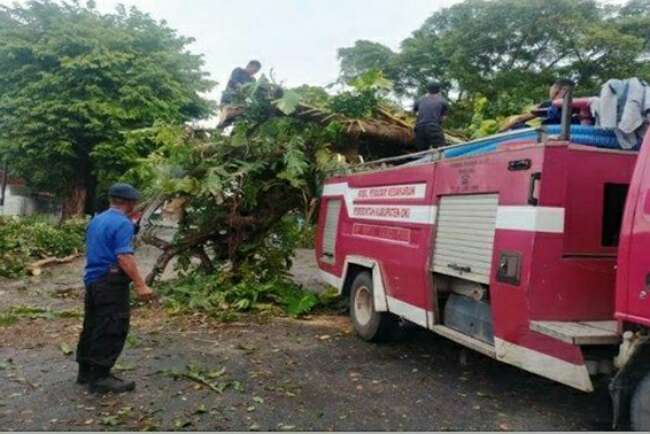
<point>297,38</point>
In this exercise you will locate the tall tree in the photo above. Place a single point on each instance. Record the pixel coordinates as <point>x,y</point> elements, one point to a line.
<point>364,56</point>
<point>74,81</point>
<point>508,51</point>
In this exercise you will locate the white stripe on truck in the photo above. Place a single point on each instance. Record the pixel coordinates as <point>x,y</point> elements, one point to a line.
<point>531,218</point>
<point>422,214</point>
<point>517,218</point>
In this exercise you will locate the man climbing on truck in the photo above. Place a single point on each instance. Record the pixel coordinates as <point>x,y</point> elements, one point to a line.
<point>431,112</point>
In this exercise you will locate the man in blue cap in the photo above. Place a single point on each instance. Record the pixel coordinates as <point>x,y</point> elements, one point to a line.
<point>110,268</point>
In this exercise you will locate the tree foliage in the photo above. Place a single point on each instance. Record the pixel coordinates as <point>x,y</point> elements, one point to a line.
<point>244,194</point>
<point>74,82</point>
<point>365,56</point>
<point>510,50</point>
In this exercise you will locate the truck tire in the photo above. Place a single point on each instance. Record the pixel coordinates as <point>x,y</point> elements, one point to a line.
<point>640,408</point>
<point>369,324</point>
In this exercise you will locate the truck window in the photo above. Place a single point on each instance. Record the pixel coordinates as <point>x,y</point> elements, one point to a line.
<point>613,206</point>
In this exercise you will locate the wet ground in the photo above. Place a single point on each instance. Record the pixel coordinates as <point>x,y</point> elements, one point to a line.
<point>268,374</point>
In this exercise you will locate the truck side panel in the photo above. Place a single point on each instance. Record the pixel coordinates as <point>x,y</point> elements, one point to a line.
<point>633,279</point>
<point>548,222</point>
<point>387,216</point>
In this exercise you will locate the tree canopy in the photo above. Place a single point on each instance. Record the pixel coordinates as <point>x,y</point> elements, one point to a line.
<point>74,82</point>
<point>510,50</point>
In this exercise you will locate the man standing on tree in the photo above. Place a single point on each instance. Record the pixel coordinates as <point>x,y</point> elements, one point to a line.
<point>110,268</point>
<point>238,78</point>
<point>546,112</point>
<point>431,112</point>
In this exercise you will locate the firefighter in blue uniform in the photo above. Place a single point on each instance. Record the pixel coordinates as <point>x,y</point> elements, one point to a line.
<point>110,268</point>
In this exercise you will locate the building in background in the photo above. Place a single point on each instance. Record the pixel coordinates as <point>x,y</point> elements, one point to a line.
<point>16,199</point>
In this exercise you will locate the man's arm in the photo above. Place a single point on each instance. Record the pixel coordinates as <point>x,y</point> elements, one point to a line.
<point>130,267</point>
<point>123,239</point>
<point>516,120</point>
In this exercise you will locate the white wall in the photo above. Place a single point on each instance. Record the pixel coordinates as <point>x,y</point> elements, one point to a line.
<point>19,202</point>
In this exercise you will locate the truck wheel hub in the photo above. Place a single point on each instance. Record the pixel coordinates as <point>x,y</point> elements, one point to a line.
<point>363,305</point>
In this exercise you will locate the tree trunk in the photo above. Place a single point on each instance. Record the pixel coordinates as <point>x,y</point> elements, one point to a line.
<point>74,203</point>
<point>90,205</point>
<point>81,197</point>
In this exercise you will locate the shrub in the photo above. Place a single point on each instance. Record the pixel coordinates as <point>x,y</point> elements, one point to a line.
<point>25,240</point>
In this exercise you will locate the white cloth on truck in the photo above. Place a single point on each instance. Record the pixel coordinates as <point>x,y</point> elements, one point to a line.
<point>633,112</point>
<point>624,106</point>
<point>605,109</point>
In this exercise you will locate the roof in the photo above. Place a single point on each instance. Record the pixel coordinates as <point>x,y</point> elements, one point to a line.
<point>12,180</point>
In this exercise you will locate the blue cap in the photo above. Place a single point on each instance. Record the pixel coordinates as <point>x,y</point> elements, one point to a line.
<point>123,191</point>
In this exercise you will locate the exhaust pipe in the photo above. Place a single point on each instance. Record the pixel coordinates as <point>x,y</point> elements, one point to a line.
<point>567,113</point>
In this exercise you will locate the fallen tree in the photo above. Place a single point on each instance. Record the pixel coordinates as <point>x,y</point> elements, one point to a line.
<point>244,196</point>
<point>27,244</point>
<point>362,114</point>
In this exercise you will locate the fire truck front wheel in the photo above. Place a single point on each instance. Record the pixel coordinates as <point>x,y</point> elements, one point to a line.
<point>369,324</point>
<point>640,411</point>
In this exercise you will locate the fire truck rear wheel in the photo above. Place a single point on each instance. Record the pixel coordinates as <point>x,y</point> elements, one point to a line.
<point>369,324</point>
<point>640,411</point>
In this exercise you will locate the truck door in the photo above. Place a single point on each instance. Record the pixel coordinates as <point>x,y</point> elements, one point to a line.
<point>633,283</point>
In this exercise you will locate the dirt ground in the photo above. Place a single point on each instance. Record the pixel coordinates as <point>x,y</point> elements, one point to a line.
<point>276,374</point>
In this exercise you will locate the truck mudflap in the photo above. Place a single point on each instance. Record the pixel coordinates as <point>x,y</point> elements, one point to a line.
<point>576,376</point>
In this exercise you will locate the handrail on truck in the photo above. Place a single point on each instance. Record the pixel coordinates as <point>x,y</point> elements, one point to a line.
<point>436,153</point>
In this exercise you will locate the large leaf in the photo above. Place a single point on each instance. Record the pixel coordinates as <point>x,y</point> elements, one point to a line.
<point>288,103</point>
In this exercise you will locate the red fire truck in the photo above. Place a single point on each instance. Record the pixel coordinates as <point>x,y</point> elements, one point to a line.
<point>531,247</point>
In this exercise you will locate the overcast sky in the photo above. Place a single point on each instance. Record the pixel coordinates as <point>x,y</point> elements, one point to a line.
<point>297,38</point>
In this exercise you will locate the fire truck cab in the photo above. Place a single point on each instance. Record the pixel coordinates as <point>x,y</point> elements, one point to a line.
<point>531,247</point>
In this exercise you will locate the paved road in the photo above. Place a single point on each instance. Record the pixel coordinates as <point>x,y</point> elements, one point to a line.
<point>311,374</point>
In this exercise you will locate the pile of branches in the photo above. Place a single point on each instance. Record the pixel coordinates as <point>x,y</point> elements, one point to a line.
<point>237,195</point>
<point>29,244</point>
<point>238,201</point>
<point>363,114</point>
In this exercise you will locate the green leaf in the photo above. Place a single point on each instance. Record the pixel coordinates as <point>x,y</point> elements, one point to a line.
<point>65,348</point>
<point>288,103</point>
<point>217,373</point>
<point>182,423</point>
<point>302,305</point>
<point>124,367</point>
<point>7,319</point>
<point>110,420</point>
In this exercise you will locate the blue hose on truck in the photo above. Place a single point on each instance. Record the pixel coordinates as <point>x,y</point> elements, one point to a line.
<point>580,134</point>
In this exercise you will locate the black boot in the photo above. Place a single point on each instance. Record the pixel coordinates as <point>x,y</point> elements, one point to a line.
<point>104,382</point>
<point>85,373</point>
